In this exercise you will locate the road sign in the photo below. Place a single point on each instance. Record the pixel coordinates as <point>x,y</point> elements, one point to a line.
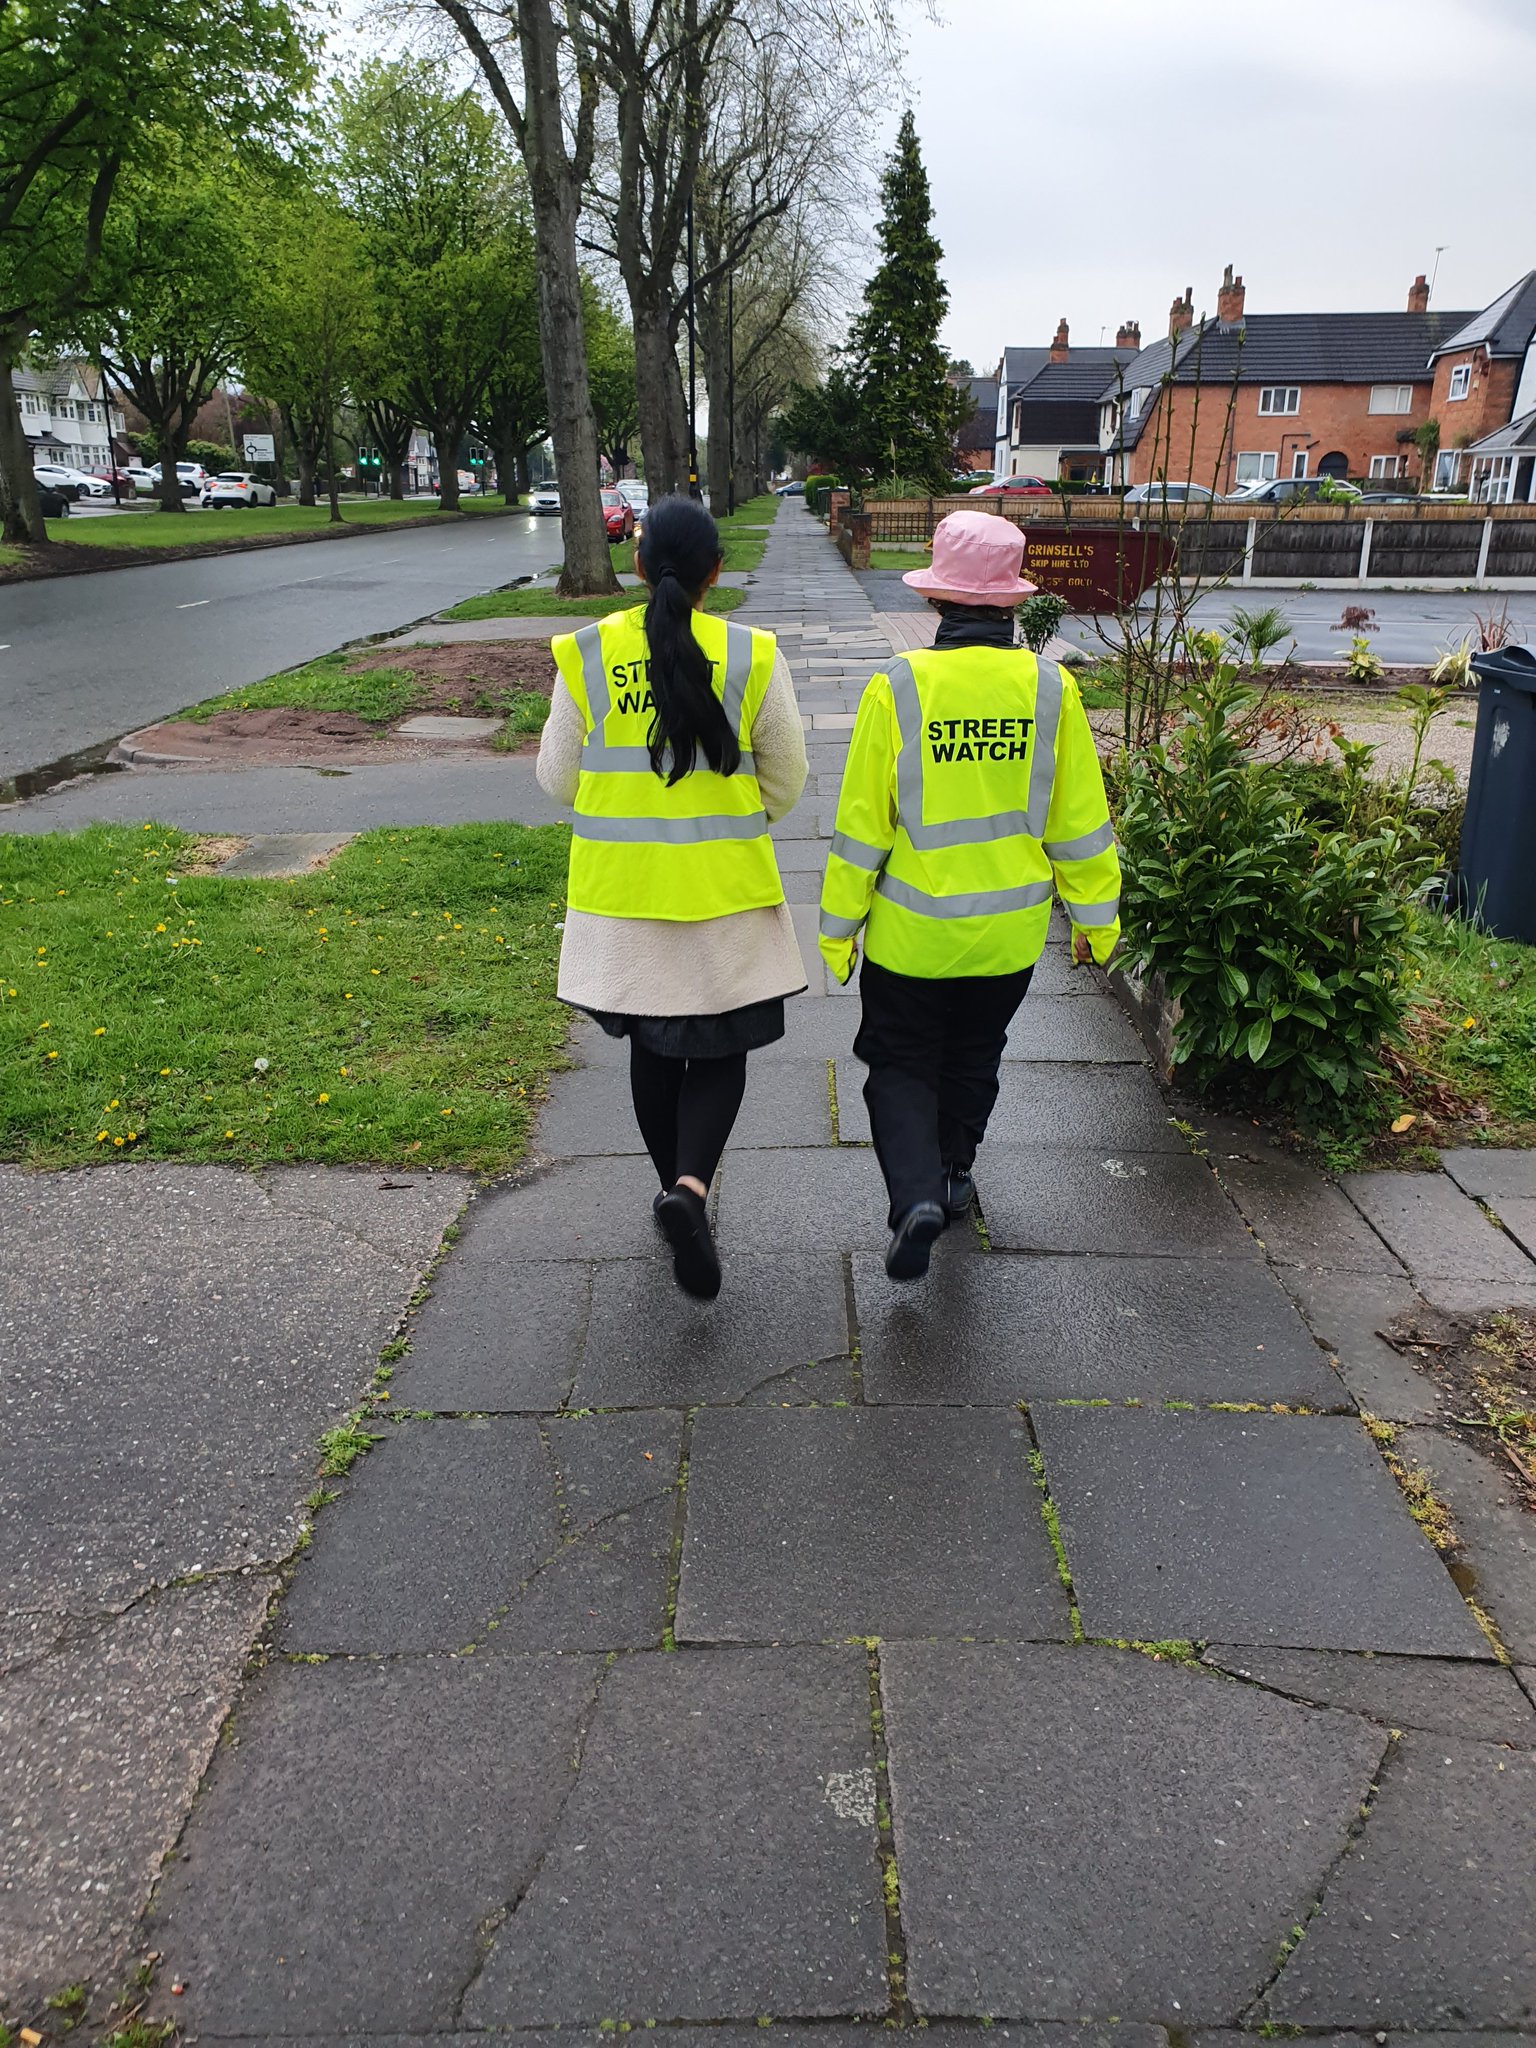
<point>260,448</point>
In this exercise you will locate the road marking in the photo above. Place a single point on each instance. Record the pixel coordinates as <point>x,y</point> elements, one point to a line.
<point>192,607</point>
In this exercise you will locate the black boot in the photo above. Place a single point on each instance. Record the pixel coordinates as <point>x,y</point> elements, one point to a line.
<point>959,1192</point>
<point>906,1256</point>
<point>695,1261</point>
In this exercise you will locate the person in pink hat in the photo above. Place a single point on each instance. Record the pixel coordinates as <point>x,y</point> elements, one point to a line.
<point>972,796</point>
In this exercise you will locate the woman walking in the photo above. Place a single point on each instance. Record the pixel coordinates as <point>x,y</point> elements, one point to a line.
<point>675,737</point>
<point>971,796</point>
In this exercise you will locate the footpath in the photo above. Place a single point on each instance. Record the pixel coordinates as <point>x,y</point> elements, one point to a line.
<point>1051,1641</point>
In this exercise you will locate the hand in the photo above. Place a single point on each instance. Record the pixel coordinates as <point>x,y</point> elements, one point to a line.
<point>1082,950</point>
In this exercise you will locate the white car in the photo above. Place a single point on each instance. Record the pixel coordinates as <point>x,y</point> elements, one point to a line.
<point>142,480</point>
<point>635,494</point>
<point>545,499</point>
<point>73,483</point>
<point>237,487</point>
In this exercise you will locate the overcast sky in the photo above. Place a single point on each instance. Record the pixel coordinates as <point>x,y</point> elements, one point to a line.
<point>1092,157</point>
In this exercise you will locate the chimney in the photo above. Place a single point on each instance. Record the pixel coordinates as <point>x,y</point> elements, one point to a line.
<point>1129,335</point>
<point>1229,300</point>
<point>1418,294</point>
<point>1059,349</point>
<point>1181,313</point>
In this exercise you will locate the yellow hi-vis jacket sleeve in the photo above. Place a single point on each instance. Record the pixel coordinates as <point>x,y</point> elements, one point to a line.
<point>866,825</point>
<point>1079,838</point>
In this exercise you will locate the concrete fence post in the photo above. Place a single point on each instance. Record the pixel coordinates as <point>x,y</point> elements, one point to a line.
<point>1365,548</point>
<point>1248,547</point>
<point>1482,551</point>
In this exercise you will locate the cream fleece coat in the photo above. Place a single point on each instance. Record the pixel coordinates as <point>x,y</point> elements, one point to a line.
<point>654,967</point>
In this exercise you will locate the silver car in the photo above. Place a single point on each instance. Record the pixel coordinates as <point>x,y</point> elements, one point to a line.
<point>545,499</point>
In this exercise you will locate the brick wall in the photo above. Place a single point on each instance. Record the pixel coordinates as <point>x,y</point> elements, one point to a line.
<point>1489,402</point>
<point>1192,442</point>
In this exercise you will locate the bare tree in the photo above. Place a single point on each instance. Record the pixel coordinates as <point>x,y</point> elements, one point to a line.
<point>543,82</point>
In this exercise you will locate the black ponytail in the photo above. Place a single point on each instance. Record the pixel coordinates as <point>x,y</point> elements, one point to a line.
<point>679,547</point>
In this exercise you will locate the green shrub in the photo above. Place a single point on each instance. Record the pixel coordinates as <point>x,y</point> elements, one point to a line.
<point>1361,665</point>
<point>1039,616</point>
<point>1288,945</point>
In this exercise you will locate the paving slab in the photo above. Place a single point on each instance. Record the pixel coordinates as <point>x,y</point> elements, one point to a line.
<point>716,1858</point>
<point>1285,1530</point>
<point>105,1741</point>
<point>1437,1231</point>
<point>1081,1832</point>
<point>1496,1533</point>
<point>1492,1174</point>
<point>1480,1701</point>
<point>496,1337</point>
<point>1040,1198</point>
<point>432,725</point>
<point>590,1111</point>
<point>1082,1027</point>
<point>1428,1921</point>
<point>1347,1313</point>
<point>353,1839</point>
<point>1052,1103</point>
<point>649,1345</point>
<point>1007,1329</point>
<point>576,1209</point>
<point>810,1201</point>
<point>284,853</point>
<point>441,1527</point>
<point>1301,1217</point>
<point>805,1525</point>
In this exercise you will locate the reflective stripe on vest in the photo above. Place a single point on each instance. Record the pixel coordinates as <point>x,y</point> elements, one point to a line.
<point>998,824</point>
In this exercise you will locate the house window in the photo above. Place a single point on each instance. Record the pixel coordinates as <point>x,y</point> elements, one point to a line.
<point>1391,398</point>
<point>1447,466</point>
<point>1280,398</point>
<point>1138,400</point>
<point>1461,380</point>
<point>1298,462</point>
<point>1386,465</point>
<point>30,402</point>
<point>1255,469</point>
<point>90,412</point>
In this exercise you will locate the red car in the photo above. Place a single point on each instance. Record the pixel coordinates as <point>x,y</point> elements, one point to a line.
<point>1016,486</point>
<point>618,515</point>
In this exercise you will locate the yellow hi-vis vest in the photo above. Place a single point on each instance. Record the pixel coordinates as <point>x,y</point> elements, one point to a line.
<point>639,849</point>
<point>971,795</point>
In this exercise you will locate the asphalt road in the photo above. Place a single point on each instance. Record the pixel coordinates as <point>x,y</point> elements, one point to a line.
<point>84,659</point>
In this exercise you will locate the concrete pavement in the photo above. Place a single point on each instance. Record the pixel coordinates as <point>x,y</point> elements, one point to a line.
<point>84,659</point>
<point>1045,1643</point>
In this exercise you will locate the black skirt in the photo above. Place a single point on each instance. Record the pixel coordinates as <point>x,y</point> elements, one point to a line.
<point>698,1038</point>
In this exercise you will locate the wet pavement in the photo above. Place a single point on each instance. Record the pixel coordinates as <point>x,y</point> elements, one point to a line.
<point>1046,1642</point>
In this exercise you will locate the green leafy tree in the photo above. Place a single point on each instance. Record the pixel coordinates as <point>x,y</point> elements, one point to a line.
<point>911,412</point>
<point>312,311</point>
<point>829,422</point>
<point>513,415</point>
<point>611,371</point>
<point>96,93</point>
<point>175,266</point>
<point>440,199</point>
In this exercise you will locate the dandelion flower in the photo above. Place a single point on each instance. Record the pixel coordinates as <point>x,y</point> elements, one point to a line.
<point>229,1134</point>
<point>53,1055</point>
<point>101,1137</point>
<point>117,1141</point>
<point>165,1070</point>
<point>100,1031</point>
<point>159,927</point>
<point>1469,1023</point>
<point>113,1103</point>
<point>322,1098</point>
<point>447,1112</point>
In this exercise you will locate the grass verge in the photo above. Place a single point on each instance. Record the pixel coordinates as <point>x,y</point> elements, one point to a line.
<point>544,604</point>
<point>397,1007</point>
<point>189,529</point>
<point>900,558</point>
<point>739,552</point>
<point>487,678</point>
<point>1470,1052</point>
<point>329,684</point>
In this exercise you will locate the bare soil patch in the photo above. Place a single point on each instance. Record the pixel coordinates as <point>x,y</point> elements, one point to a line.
<point>1484,1368</point>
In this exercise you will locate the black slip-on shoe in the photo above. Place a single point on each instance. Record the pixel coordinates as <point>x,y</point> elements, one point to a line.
<point>695,1262</point>
<point>906,1256</point>
<point>959,1193</point>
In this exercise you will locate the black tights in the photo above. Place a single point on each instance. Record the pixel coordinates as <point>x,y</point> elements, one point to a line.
<point>685,1110</point>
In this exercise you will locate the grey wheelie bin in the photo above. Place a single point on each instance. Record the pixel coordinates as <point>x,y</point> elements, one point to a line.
<point>1496,882</point>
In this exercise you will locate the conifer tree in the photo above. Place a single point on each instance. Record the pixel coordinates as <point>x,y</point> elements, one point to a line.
<point>910,412</point>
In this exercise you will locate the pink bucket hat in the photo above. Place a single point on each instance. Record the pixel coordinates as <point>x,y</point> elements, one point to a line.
<point>976,560</point>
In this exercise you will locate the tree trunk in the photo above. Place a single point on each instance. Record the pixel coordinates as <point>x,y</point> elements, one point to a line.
<point>396,478</point>
<point>306,476</point>
<point>168,447</point>
<point>22,514</point>
<point>520,473</point>
<point>662,403</point>
<point>509,453</point>
<point>715,342</point>
<point>588,568</point>
<point>446,436</point>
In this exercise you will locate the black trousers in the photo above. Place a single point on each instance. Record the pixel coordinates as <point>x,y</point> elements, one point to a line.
<point>685,1110</point>
<point>933,1049</point>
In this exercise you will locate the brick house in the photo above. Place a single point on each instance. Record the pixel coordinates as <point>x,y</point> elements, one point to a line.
<point>1484,379</point>
<point>1243,397</point>
<point>1048,406</point>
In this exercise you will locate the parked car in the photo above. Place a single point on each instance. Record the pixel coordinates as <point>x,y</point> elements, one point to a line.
<point>190,477</point>
<point>545,499</point>
<point>790,490</point>
<point>123,478</point>
<point>1286,490</point>
<point>52,503</point>
<point>54,476</point>
<point>1389,497</point>
<point>142,479</point>
<point>618,514</point>
<point>91,485</point>
<point>1168,493</point>
<point>1015,487</point>
<point>237,487</point>
<point>635,494</point>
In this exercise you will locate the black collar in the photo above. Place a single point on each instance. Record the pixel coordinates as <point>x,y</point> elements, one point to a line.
<point>975,625</point>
